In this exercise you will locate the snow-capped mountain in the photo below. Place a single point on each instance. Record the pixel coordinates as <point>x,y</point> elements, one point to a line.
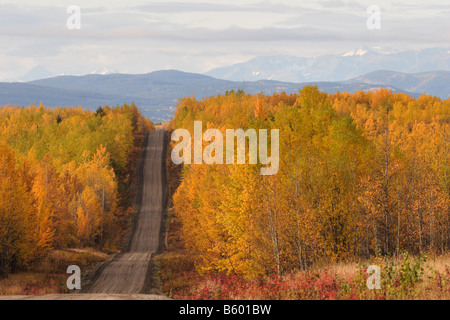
<point>104,71</point>
<point>339,67</point>
<point>356,52</point>
<point>36,73</point>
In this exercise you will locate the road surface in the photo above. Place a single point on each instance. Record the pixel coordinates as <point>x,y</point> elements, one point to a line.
<point>130,272</point>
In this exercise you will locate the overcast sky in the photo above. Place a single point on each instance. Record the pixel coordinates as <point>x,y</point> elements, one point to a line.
<point>138,36</point>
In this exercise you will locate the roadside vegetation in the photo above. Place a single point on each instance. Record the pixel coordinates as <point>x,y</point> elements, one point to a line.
<point>364,179</point>
<point>403,278</point>
<point>48,276</point>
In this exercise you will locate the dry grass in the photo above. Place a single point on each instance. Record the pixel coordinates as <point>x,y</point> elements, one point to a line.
<point>32,283</point>
<point>334,281</point>
<point>439,263</point>
<point>49,275</point>
<point>434,263</point>
<point>343,269</point>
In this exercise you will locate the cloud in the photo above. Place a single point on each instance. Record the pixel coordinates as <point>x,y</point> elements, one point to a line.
<point>193,36</point>
<point>210,7</point>
<point>156,21</point>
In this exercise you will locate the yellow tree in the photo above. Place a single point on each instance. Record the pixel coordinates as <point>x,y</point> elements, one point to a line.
<point>98,198</point>
<point>16,243</point>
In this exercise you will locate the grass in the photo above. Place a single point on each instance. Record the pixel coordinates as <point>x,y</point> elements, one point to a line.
<point>403,278</point>
<point>32,283</point>
<point>49,275</point>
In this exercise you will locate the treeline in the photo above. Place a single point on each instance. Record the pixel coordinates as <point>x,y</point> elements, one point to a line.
<point>64,179</point>
<point>360,175</point>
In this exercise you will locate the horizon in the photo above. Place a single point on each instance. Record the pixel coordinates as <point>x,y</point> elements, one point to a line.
<point>109,70</point>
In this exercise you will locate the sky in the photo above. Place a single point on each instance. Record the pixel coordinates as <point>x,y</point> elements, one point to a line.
<point>137,36</point>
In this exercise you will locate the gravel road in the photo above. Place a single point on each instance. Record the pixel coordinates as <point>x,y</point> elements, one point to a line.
<point>130,272</point>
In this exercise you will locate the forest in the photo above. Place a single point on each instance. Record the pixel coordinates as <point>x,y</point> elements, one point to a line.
<point>361,175</point>
<point>65,179</point>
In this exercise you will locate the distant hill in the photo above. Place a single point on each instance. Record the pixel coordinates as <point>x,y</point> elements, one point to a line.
<point>157,93</point>
<point>25,94</point>
<point>436,83</point>
<point>337,67</point>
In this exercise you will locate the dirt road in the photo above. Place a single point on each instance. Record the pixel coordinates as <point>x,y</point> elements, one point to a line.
<point>130,272</point>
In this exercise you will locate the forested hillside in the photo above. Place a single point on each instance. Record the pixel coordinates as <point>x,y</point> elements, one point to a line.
<point>65,179</point>
<point>361,175</point>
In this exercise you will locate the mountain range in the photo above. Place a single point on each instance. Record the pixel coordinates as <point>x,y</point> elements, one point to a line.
<point>336,67</point>
<point>157,93</point>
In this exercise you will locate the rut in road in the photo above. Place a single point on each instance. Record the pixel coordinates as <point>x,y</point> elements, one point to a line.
<point>128,272</point>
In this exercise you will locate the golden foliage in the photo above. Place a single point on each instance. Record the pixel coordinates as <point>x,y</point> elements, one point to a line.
<point>360,174</point>
<point>61,171</point>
